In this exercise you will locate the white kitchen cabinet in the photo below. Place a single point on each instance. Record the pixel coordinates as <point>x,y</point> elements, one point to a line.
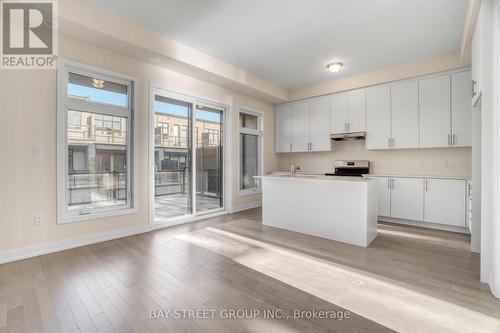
<point>445,201</point>
<point>407,198</point>
<point>283,128</point>
<point>477,54</point>
<point>461,116</point>
<point>356,111</point>
<point>384,196</point>
<point>404,115</point>
<point>434,112</point>
<point>348,112</point>
<point>338,113</point>
<point>320,124</point>
<point>378,117</point>
<point>300,126</point>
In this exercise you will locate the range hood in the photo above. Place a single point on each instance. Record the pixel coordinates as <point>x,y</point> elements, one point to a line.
<point>348,136</point>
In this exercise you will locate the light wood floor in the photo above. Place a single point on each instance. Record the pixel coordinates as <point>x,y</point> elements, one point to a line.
<point>407,280</point>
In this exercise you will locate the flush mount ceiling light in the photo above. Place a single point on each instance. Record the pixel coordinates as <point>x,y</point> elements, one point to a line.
<point>334,67</point>
<point>97,83</point>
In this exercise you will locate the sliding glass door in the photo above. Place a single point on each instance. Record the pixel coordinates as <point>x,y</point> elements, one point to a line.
<point>209,158</point>
<point>188,157</point>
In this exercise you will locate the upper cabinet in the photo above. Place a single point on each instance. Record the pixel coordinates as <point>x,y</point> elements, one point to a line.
<point>283,128</point>
<point>348,111</point>
<point>392,116</point>
<point>430,112</point>
<point>461,130</point>
<point>404,115</point>
<point>378,117</point>
<point>445,111</point>
<point>477,53</point>
<point>435,112</point>
<point>303,126</point>
<point>320,124</point>
<point>338,115</point>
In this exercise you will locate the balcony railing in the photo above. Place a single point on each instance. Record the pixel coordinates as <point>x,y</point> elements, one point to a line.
<point>93,134</point>
<point>94,187</point>
<point>171,182</point>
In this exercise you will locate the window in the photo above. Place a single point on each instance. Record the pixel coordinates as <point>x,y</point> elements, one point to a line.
<point>95,169</point>
<point>250,151</point>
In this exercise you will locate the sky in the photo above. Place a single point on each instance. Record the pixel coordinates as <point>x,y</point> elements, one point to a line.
<point>110,97</point>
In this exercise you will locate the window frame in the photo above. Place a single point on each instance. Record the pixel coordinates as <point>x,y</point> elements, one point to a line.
<point>65,103</point>
<point>259,132</point>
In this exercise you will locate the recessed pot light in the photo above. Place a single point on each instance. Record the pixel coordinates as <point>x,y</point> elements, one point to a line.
<point>334,67</point>
<point>154,60</point>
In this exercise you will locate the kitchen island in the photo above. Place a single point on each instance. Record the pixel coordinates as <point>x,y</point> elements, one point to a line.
<point>343,209</point>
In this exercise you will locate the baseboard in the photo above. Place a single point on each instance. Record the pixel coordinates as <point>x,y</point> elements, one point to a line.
<point>240,208</point>
<point>493,288</point>
<point>443,227</point>
<point>38,250</point>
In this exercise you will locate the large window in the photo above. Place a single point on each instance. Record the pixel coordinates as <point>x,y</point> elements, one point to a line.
<point>95,132</point>
<point>250,151</point>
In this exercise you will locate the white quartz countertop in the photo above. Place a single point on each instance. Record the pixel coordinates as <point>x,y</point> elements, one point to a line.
<point>416,176</point>
<point>322,178</point>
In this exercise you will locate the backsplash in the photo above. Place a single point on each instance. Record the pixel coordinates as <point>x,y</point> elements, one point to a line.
<point>425,161</point>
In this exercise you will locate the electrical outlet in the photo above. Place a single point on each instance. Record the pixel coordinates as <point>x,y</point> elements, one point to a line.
<point>39,219</point>
<point>37,152</point>
<point>445,164</point>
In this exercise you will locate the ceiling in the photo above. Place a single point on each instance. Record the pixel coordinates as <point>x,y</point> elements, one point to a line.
<point>290,42</point>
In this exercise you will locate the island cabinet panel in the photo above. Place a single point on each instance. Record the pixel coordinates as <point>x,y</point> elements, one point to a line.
<point>404,115</point>
<point>384,196</point>
<point>320,124</point>
<point>300,126</point>
<point>407,198</point>
<point>435,122</point>
<point>283,128</point>
<point>445,201</point>
<point>378,117</point>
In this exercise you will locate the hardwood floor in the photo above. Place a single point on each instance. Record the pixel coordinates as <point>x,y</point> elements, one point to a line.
<point>407,280</point>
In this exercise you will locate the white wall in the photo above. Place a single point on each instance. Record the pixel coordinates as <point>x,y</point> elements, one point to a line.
<point>28,109</point>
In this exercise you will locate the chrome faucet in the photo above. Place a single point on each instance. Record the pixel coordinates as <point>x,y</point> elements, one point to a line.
<point>294,169</point>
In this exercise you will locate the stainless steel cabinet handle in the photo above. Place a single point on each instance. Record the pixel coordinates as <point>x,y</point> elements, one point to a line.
<point>290,147</point>
<point>345,127</point>
<point>474,82</point>
<point>426,185</point>
<point>388,183</point>
<point>348,127</point>
<point>155,169</point>
<point>392,183</point>
<point>389,142</point>
<point>454,139</point>
<point>449,139</point>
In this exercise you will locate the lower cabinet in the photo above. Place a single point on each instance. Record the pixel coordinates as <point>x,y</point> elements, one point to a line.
<point>445,201</point>
<point>439,201</point>
<point>407,198</point>
<point>384,196</point>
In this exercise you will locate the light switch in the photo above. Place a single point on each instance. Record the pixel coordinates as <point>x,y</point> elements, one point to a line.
<point>37,152</point>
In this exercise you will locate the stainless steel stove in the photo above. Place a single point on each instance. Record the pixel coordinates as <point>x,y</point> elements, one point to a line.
<point>350,168</point>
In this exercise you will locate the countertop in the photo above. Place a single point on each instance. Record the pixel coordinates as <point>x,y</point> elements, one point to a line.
<point>322,178</point>
<point>416,176</point>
